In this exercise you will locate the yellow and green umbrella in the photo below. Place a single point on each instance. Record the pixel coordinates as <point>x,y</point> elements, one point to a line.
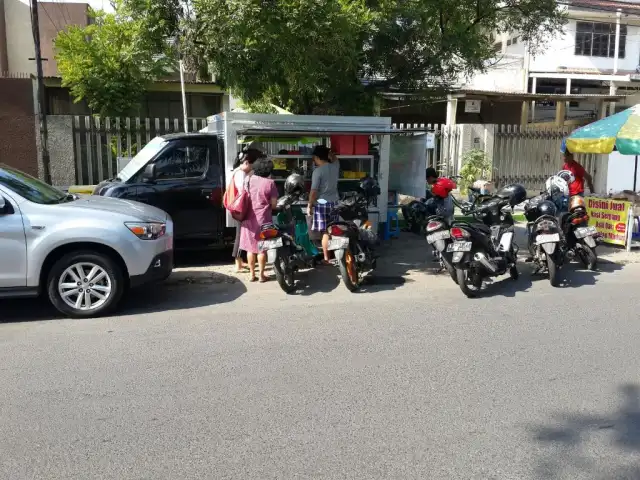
<point>619,132</point>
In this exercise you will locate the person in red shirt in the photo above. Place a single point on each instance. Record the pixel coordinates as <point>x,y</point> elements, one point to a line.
<point>581,175</point>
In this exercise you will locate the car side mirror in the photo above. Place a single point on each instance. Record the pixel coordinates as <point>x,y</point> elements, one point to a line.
<point>149,174</point>
<point>4,207</point>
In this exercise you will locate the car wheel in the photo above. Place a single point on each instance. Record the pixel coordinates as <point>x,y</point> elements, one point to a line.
<point>85,284</point>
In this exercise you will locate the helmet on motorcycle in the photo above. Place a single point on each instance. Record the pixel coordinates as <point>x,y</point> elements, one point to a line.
<point>369,187</point>
<point>443,187</point>
<point>557,186</point>
<point>514,192</point>
<point>547,208</point>
<point>294,185</point>
<point>567,176</point>
<point>576,203</point>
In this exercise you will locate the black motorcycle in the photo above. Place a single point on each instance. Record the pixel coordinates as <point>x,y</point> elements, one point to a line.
<point>581,239</point>
<point>287,243</point>
<point>352,238</point>
<point>438,235</point>
<point>545,239</point>
<point>485,248</point>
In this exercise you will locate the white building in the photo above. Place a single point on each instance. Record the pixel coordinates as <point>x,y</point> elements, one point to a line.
<point>580,60</point>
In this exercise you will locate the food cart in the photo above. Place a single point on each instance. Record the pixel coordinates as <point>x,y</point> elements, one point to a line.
<point>361,143</point>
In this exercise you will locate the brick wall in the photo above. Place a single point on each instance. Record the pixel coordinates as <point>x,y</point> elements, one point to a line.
<point>18,125</point>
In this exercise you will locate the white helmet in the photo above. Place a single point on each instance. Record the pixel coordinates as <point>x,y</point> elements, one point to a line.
<point>567,175</point>
<point>557,186</point>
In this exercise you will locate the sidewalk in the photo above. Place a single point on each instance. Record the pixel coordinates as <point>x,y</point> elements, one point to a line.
<point>399,258</point>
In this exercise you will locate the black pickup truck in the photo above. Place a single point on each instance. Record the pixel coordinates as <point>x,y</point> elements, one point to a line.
<point>183,174</point>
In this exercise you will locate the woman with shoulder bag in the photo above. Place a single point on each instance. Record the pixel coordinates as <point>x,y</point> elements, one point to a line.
<point>242,168</point>
<point>263,199</point>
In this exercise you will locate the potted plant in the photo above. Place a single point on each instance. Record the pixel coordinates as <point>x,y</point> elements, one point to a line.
<point>475,166</point>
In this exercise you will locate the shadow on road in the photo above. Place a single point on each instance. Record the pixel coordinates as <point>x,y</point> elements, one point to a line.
<point>569,445</point>
<point>575,275</point>
<point>188,290</point>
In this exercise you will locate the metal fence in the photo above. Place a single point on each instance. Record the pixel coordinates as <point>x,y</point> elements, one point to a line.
<point>519,154</point>
<point>529,156</point>
<point>446,145</point>
<point>98,143</point>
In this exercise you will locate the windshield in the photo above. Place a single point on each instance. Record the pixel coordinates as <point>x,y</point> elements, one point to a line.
<point>141,159</point>
<point>30,188</point>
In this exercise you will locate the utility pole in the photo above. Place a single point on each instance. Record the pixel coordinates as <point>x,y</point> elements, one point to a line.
<point>42,117</point>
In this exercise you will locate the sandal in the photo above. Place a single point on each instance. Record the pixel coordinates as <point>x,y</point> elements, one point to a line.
<point>253,279</point>
<point>264,279</point>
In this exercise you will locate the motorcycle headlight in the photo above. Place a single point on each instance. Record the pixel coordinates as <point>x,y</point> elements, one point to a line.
<point>147,230</point>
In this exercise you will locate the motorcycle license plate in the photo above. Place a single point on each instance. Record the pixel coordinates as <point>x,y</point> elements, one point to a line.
<point>459,247</point>
<point>270,244</point>
<point>336,243</point>
<point>548,238</point>
<point>434,237</point>
<point>585,232</point>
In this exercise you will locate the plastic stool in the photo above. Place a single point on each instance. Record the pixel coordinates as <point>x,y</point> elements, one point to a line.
<point>635,226</point>
<point>391,231</point>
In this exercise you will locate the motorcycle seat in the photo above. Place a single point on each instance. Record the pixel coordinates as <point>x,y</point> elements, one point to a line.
<point>481,227</point>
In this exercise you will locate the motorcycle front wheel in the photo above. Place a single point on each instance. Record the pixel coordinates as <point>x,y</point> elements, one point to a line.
<point>588,257</point>
<point>349,270</point>
<point>284,272</point>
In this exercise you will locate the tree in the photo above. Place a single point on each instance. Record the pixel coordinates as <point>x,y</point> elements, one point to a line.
<point>111,62</point>
<point>327,56</point>
<point>307,56</point>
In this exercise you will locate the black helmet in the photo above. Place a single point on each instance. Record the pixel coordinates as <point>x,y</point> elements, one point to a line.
<point>515,193</point>
<point>369,187</point>
<point>547,207</point>
<point>294,185</point>
<point>417,209</point>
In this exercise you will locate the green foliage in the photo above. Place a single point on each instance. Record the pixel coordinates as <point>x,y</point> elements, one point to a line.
<point>303,55</point>
<point>475,166</point>
<point>258,106</point>
<point>109,63</point>
<point>309,56</point>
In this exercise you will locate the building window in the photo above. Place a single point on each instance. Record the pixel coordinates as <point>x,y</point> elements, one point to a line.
<point>599,39</point>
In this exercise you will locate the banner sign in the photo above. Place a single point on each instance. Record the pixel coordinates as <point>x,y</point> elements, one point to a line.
<point>610,217</point>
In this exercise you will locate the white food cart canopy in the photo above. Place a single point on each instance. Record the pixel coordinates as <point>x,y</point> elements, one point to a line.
<point>288,125</point>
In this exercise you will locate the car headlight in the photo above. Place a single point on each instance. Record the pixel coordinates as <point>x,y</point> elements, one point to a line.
<point>147,231</point>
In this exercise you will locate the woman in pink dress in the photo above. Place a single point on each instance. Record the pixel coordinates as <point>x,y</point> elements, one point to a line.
<point>264,197</point>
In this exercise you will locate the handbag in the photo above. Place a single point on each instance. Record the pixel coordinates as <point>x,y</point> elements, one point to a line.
<point>231,193</point>
<point>241,204</point>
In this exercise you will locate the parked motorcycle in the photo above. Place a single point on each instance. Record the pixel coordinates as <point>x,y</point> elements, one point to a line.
<point>485,248</point>
<point>286,242</point>
<point>441,210</point>
<point>580,237</point>
<point>545,239</point>
<point>352,238</point>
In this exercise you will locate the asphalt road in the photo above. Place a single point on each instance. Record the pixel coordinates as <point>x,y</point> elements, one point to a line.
<point>224,380</point>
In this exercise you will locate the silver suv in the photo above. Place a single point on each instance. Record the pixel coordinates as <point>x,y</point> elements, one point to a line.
<point>84,252</point>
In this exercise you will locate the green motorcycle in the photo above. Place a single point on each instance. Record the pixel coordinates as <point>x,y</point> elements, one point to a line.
<point>287,243</point>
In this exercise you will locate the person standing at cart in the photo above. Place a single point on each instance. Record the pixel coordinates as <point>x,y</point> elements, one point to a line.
<point>324,194</point>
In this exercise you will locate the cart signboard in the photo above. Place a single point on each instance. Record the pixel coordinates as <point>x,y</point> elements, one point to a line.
<point>610,217</point>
